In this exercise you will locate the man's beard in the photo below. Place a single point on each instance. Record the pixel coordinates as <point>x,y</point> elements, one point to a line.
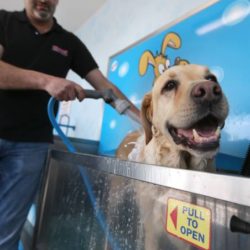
<point>44,15</point>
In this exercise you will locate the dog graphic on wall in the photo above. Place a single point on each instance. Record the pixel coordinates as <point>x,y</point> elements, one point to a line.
<point>160,62</point>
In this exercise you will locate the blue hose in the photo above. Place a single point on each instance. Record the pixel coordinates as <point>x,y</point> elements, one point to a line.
<point>83,172</point>
<point>20,245</point>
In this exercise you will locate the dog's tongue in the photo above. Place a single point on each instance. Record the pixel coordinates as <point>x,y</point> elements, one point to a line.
<point>188,133</point>
<point>206,131</point>
<point>200,134</point>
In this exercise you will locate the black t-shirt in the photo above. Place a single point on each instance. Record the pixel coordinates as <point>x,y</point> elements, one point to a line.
<point>23,113</point>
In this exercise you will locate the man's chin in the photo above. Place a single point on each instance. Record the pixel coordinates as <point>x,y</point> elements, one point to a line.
<point>42,16</point>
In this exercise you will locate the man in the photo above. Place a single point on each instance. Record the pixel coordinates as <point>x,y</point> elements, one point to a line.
<point>36,54</point>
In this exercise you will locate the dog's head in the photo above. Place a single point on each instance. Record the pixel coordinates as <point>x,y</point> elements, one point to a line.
<point>188,107</point>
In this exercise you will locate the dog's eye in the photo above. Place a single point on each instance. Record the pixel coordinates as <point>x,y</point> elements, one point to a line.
<point>211,77</point>
<point>170,85</point>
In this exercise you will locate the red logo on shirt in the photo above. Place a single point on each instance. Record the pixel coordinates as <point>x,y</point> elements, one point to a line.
<point>59,50</point>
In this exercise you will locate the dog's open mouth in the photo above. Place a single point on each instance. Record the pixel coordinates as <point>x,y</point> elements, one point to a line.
<point>203,135</point>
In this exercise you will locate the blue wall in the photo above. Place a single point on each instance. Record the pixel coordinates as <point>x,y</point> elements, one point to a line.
<point>217,37</point>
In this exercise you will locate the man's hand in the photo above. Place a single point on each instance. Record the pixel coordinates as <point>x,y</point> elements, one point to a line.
<point>64,90</point>
<point>12,77</point>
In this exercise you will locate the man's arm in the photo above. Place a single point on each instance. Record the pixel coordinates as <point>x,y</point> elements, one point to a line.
<point>1,51</point>
<point>99,81</point>
<point>12,77</point>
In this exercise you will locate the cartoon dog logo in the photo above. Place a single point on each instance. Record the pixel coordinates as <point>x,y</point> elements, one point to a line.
<point>161,62</point>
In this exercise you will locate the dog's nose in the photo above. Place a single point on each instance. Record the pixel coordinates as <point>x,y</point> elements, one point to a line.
<point>206,91</point>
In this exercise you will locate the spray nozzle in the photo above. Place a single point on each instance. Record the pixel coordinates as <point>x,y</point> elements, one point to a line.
<point>109,97</point>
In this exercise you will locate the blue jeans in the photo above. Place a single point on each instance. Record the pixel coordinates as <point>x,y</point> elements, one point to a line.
<point>21,166</point>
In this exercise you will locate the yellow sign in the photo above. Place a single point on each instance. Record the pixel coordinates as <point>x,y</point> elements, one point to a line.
<point>189,222</point>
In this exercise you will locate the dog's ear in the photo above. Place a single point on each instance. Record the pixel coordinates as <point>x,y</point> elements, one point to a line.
<point>146,116</point>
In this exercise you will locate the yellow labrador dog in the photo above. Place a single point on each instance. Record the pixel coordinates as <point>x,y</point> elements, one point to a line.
<point>182,118</point>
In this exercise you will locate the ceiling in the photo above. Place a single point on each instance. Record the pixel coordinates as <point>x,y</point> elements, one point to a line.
<point>71,14</point>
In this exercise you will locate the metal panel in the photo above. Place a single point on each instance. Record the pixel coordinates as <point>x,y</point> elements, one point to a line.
<point>68,220</point>
<point>202,183</point>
